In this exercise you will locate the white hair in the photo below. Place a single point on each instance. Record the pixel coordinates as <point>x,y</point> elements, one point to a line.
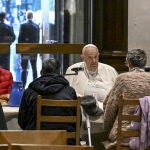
<point>87,46</point>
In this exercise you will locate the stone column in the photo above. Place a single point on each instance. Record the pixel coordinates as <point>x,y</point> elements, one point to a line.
<point>139,25</point>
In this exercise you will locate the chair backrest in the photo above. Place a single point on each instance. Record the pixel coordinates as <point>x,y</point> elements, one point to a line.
<point>56,137</point>
<point>60,119</point>
<point>126,117</point>
<point>49,147</point>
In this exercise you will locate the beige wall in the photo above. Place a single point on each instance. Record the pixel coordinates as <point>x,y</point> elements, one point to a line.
<point>139,25</point>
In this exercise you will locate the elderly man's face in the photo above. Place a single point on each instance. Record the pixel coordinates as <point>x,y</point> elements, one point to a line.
<point>91,58</point>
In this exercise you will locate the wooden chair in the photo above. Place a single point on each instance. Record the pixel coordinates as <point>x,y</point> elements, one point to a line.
<point>123,117</point>
<point>57,137</point>
<point>60,119</point>
<point>48,147</point>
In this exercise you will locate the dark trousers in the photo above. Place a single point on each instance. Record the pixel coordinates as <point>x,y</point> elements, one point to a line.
<point>3,125</point>
<point>25,58</point>
<point>4,61</point>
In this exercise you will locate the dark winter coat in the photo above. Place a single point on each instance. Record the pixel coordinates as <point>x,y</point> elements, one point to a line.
<point>7,34</point>
<point>49,86</point>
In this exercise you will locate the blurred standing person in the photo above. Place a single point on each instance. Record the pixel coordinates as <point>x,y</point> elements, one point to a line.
<point>7,35</point>
<point>28,33</point>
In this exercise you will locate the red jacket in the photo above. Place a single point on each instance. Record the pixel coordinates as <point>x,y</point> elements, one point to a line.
<point>6,81</point>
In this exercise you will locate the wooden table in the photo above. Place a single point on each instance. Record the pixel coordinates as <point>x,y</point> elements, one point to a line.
<point>11,116</point>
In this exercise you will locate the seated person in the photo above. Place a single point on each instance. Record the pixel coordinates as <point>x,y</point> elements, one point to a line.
<point>6,81</point>
<point>50,85</point>
<point>133,84</point>
<point>93,78</point>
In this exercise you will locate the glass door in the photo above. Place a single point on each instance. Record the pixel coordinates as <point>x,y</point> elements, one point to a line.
<point>60,21</point>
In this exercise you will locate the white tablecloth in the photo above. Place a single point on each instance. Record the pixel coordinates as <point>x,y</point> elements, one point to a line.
<point>11,116</point>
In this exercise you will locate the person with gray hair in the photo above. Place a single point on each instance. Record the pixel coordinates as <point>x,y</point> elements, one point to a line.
<point>92,78</point>
<point>50,85</point>
<point>134,84</point>
<point>29,32</point>
<point>136,59</point>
